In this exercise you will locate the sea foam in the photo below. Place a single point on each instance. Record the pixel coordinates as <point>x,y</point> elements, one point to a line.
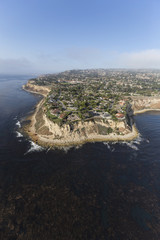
<point>131,145</point>
<point>110,146</point>
<point>18,124</point>
<point>34,148</point>
<point>19,135</point>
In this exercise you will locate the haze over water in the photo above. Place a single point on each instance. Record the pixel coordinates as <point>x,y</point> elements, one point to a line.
<point>97,191</point>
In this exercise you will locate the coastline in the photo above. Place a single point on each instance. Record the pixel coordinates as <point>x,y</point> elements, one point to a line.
<point>36,89</point>
<point>30,91</point>
<point>110,138</point>
<point>47,141</point>
<point>146,110</point>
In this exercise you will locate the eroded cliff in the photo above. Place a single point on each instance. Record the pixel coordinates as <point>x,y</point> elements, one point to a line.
<point>47,133</point>
<point>142,103</point>
<point>42,90</point>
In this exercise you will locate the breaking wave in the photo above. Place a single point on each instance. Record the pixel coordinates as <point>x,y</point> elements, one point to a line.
<point>131,145</point>
<point>34,148</point>
<point>110,146</point>
<point>138,140</point>
<point>18,124</point>
<point>19,135</point>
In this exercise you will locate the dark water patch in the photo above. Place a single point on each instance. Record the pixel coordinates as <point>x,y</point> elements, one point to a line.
<point>98,191</point>
<point>141,217</point>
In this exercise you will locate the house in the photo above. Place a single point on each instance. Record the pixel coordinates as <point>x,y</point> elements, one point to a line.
<point>62,115</point>
<point>53,101</point>
<point>72,108</point>
<point>120,116</point>
<point>55,112</point>
<point>73,117</point>
<point>106,115</point>
<point>122,102</point>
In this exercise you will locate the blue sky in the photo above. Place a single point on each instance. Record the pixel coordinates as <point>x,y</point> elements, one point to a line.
<point>45,36</point>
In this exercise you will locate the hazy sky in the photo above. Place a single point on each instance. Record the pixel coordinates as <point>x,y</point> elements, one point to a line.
<point>45,36</point>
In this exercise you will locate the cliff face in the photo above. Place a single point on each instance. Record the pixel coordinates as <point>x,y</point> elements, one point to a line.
<point>129,116</point>
<point>84,129</point>
<point>142,103</point>
<point>47,133</point>
<point>36,89</point>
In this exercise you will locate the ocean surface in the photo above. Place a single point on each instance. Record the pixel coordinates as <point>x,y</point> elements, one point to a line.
<point>102,191</point>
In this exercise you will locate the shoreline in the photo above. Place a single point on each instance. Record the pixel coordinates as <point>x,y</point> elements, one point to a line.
<point>146,110</point>
<point>44,141</point>
<point>114,138</point>
<point>110,138</point>
<point>31,91</point>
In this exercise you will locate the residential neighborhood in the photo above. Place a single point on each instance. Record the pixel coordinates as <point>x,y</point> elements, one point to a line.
<point>82,95</point>
<point>74,102</point>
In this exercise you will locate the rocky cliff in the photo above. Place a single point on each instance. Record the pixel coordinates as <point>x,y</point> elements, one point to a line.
<point>47,133</point>
<point>141,103</point>
<point>36,89</point>
<point>129,116</point>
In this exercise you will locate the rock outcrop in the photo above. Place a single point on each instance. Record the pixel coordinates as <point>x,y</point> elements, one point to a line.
<point>42,90</point>
<point>129,116</point>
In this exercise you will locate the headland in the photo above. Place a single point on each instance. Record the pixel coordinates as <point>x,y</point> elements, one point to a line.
<point>80,107</point>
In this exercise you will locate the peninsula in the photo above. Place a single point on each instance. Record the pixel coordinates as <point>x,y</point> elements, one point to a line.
<point>82,106</point>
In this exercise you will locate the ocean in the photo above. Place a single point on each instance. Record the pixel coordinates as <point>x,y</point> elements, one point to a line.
<point>101,191</point>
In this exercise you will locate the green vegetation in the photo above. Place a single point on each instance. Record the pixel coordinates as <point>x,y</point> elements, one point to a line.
<point>104,130</point>
<point>87,94</point>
